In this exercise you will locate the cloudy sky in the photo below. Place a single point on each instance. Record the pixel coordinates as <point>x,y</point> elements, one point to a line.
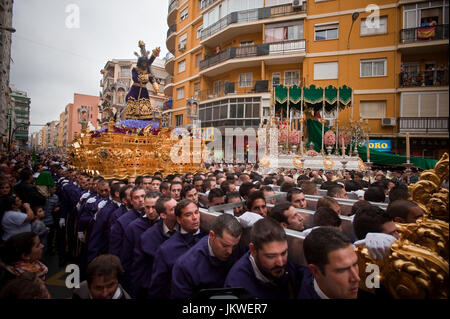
<point>55,56</point>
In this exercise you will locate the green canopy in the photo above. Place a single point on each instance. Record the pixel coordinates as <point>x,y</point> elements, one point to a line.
<point>281,94</point>
<point>313,97</point>
<point>377,157</point>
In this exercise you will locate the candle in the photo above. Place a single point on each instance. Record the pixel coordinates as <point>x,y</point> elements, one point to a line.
<point>337,135</point>
<point>367,149</point>
<point>343,148</point>
<point>407,148</point>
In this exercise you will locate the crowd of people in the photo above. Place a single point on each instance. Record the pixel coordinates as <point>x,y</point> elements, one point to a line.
<point>142,237</point>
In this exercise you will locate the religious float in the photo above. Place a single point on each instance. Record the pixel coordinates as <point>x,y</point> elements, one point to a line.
<point>141,144</point>
<point>297,110</point>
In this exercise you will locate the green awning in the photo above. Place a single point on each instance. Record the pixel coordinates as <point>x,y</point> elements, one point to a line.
<point>312,97</point>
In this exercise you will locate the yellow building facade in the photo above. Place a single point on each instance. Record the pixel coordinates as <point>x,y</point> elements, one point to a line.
<point>229,54</point>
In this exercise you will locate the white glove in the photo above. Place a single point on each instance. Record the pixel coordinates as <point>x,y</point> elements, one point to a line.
<point>248,219</point>
<point>62,223</point>
<point>378,244</point>
<point>81,236</point>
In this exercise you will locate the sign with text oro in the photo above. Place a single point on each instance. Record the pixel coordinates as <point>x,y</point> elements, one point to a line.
<point>380,145</point>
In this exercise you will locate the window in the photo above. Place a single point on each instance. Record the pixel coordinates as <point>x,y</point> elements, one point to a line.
<point>198,58</point>
<point>372,109</point>
<point>125,71</point>
<point>373,67</point>
<point>184,14</point>
<point>284,32</point>
<point>180,93</point>
<point>368,29</point>
<point>245,79</point>
<point>325,71</point>
<point>217,87</point>
<point>179,120</point>
<point>183,39</point>
<point>199,31</point>
<point>327,31</point>
<point>291,78</point>
<point>246,43</point>
<point>417,14</point>
<point>181,66</point>
<point>197,88</point>
<point>276,79</point>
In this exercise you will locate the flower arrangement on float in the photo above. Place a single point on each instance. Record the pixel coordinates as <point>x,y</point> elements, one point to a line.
<point>344,135</point>
<point>282,135</point>
<point>311,153</point>
<point>329,138</point>
<point>295,136</point>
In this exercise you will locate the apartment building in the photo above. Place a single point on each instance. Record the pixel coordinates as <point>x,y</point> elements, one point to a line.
<point>20,121</point>
<point>83,109</point>
<point>230,54</point>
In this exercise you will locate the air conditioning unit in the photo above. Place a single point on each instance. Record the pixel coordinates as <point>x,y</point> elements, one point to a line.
<point>297,3</point>
<point>181,47</point>
<point>388,121</point>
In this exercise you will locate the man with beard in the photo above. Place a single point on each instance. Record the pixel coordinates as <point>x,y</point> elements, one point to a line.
<point>265,271</point>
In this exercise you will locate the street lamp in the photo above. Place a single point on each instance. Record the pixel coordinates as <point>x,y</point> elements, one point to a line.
<point>355,16</point>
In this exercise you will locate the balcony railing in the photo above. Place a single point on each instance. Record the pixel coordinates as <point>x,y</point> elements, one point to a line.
<point>206,3</point>
<point>254,50</point>
<point>249,15</point>
<point>423,124</point>
<point>172,5</point>
<point>437,32</point>
<point>172,29</point>
<point>425,78</point>
<point>234,88</point>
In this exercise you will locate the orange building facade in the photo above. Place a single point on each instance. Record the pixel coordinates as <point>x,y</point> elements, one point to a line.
<point>229,54</point>
<point>83,106</point>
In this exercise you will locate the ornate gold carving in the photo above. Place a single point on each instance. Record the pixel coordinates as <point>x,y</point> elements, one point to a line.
<point>297,161</point>
<point>418,264</point>
<point>415,272</point>
<point>139,109</point>
<point>432,234</point>
<point>117,155</point>
<point>328,163</point>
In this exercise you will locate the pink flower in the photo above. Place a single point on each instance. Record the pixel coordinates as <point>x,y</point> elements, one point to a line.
<point>329,138</point>
<point>346,137</point>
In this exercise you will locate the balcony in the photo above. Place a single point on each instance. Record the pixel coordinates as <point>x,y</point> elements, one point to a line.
<point>170,41</point>
<point>246,19</point>
<point>426,78</point>
<point>168,87</point>
<point>206,3</point>
<point>272,53</point>
<point>230,89</point>
<point>169,66</point>
<point>424,40</point>
<point>172,13</point>
<point>423,125</point>
<point>438,32</point>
